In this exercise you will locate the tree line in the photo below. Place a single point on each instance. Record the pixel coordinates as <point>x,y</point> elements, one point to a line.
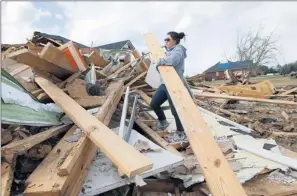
<point>281,69</point>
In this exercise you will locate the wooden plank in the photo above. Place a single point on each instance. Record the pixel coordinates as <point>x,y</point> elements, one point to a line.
<point>289,91</point>
<point>136,78</point>
<point>241,91</point>
<point>7,170</point>
<point>102,136</point>
<point>155,137</point>
<point>96,59</point>
<point>219,175</point>
<point>139,86</point>
<point>220,96</point>
<point>29,142</point>
<point>56,56</point>
<point>114,91</point>
<point>19,70</point>
<point>285,134</point>
<point>143,65</point>
<point>26,57</point>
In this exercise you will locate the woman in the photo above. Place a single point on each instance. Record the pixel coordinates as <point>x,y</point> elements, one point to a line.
<point>175,56</point>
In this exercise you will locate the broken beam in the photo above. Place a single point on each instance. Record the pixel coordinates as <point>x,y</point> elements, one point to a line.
<point>102,136</point>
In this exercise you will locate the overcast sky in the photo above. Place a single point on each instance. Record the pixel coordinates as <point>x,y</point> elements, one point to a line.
<point>211,27</point>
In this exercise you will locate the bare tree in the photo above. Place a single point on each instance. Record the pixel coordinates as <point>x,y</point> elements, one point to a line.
<point>253,46</point>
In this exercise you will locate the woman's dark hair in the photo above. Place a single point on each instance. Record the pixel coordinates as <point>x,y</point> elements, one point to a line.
<point>176,36</point>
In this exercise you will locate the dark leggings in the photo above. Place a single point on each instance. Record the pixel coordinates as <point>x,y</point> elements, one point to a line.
<point>158,99</point>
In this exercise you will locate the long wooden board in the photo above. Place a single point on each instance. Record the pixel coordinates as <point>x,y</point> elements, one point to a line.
<point>29,142</point>
<point>122,154</point>
<point>56,56</point>
<point>289,91</point>
<point>136,78</point>
<point>114,93</point>
<point>220,96</point>
<point>27,57</point>
<point>219,176</point>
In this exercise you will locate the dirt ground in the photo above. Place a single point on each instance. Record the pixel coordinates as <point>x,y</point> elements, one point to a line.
<point>277,81</point>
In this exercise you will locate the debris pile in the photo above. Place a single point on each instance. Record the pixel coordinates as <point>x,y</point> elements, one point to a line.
<point>76,121</point>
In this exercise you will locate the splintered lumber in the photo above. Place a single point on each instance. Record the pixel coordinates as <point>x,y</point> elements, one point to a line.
<point>143,65</point>
<point>220,96</point>
<point>289,91</point>
<point>219,175</point>
<point>155,137</point>
<point>29,142</point>
<point>7,170</point>
<point>144,96</point>
<point>19,70</point>
<point>56,56</point>
<point>96,59</point>
<point>27,57</point>
<point>100,134</point>
<point>136,78</point>
<point>114,92</point>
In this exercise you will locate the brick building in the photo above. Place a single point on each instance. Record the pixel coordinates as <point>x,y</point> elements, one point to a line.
<point>216,72</point>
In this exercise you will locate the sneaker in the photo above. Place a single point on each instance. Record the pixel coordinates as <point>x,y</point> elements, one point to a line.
<point>161,125</point>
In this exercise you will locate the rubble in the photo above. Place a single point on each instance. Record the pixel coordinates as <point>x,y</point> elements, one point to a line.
<point>69,127</point>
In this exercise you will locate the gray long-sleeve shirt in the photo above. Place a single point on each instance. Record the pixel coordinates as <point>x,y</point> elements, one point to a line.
<point>175,56</point>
